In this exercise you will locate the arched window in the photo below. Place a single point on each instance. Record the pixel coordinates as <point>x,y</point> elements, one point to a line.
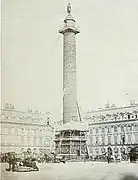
<point>103,150</point>
<point>132,116</point>
<point>29,150</point>
<point>34,151</point>
<point>122,149</point>
<point>129,149</point>
<point>97,150</point>
<point>136,149</point>
<point>115,128</point>
<point>129,128</point>
<point>116,150</point>
<point>109,149</point>
<point>22,150</point>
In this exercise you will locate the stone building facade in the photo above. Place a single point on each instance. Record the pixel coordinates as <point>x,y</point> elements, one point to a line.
<point>23,130</point>
<point>114,127</point>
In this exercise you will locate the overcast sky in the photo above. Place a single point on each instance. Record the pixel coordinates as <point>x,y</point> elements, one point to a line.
<point>107,53</point>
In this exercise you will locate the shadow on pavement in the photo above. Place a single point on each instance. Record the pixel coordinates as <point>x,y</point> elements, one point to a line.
<point>129,177</point>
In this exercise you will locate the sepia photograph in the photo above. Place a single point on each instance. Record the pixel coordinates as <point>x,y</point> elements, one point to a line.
<point>69,90</point>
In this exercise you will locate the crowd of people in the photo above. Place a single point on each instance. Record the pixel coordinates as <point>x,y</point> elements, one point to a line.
<point>17,163</point>
<point>109,156</point>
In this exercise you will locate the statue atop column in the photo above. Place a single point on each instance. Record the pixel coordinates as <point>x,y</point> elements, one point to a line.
<point>69,8</point>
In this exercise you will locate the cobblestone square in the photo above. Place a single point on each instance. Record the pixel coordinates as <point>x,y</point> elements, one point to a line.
<point>75,171</point>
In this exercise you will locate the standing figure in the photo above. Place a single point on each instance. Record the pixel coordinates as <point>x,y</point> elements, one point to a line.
<point>12,162</point>
<point>69,8</point>
<point>109,154</point>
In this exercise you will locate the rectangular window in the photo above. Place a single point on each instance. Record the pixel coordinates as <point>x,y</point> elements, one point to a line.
<point>136,138</point>
<point>103,130</point>
<point>40,131</point>
<point>115,129</point>
<point>122,128</point>
<point>13,130</point>
<point>109,130</point>
<point>97,140</point>
<point>136,127</point>
<point>40,141</point>
<point>129,128</point>
<point>91,140</point>
<point>28,131</point>
<point>9,130</point>
<point>109,139</point>
<point>129,139</point>
<point>97,130</point>
<point>28,140</point>
<point>22,130</point>
<point>22,140</point>
<point>16,131</point>
<point>34,141</point>
<point>115,139</point>
<point>103,139</point>
<point>5,130</point>
<point>90,131</point>
<point>2,140</point>
<point>91,150</point>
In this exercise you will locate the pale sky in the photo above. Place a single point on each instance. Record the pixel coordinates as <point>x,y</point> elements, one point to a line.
<point>107,53</point>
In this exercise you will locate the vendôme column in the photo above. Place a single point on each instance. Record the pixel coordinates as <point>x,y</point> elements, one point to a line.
<point>69,68</point>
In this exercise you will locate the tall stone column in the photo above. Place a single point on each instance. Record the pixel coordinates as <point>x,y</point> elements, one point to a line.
<point>69,68</point>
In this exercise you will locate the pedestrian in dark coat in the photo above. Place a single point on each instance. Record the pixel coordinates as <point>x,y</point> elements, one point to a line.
<point>12,162</point>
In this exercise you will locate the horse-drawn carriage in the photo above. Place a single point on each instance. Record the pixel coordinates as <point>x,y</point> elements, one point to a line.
<point>19,164</point>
